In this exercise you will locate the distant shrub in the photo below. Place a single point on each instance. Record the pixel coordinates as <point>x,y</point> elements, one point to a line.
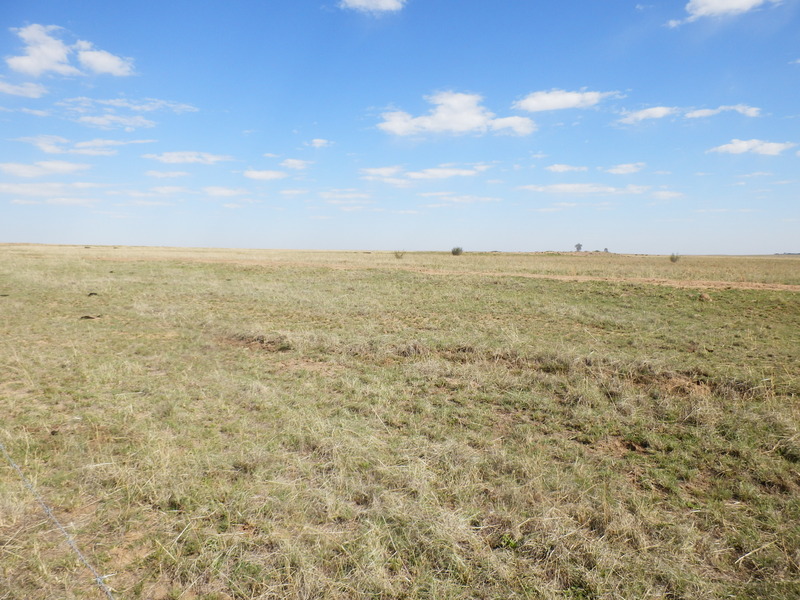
<point>674,258</point>
<point>399,254</point>
<point>457,251</point>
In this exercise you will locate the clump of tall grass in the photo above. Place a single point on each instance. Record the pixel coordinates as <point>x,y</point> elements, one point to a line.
<point>674,257</point>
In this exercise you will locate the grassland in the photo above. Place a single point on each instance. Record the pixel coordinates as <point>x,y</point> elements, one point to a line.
<point>248,424</point>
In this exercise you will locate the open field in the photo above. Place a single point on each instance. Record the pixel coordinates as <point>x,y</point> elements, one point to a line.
<point>274,424</point>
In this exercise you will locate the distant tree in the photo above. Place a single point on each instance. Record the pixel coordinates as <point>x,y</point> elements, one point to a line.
<point>457,251</point>
<point>578,247</point>
<point>605,249</point>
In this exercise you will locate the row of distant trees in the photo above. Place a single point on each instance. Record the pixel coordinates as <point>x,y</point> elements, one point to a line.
<point>579,247</point>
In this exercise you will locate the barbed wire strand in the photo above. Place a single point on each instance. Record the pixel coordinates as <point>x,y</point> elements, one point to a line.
<point>99,579</point>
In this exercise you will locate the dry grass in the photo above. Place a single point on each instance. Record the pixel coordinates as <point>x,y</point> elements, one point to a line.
<point>238,424</point>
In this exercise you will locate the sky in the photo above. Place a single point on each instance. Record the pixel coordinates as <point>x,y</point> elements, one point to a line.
<point>410,125</point>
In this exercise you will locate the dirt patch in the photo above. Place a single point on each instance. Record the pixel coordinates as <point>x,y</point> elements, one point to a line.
<point>266,343</point>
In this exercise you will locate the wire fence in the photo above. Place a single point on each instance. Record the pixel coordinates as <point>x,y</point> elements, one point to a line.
<point>99,579</point>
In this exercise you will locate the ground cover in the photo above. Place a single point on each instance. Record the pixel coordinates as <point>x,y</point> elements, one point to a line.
<point>253,424</point>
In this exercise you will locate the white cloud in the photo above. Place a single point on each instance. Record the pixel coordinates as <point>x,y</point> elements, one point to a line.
<point>110,121</point>
<point>45,190</point>
<point>44,53</point>
<point>583,189</point>
<point>83,104</point>
<point>168,190</point>
<point>265,175</point>
<point>743,109</point>
<point>53,144</point>
<point>319,143</point>
<point>755,146</point>
<point>166,174</point>
<point>26,90</point>
<point>40,169</point>
<point>36,113</point>
<point>102,62</point>
<point>373,6</point>
<point>224,192</point>
<point>188,157</point>
<point>558,168</point>
<point>445,172</point>
<point>626,169</point>
<point>105,113</point>
<point>561,99</point>
<point>719,8</point>
<point>518,125</point>
<point>380,172</point>
<point>656,112</point>
<point>297,164</point>
<point>293,192</point>
<point>103,147</point>
<point>455,113</point>
<point>390,175</point>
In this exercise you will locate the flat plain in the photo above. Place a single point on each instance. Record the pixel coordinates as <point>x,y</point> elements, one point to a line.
<point>281,424</point>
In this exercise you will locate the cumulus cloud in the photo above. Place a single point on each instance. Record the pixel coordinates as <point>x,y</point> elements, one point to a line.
<point>43,168</point>
<point>46,53</point>
<point>445,172</point>
<point>26,90</point>
<point>742,109</point>
<point>297,164</point>
<point>264,175</point>
<point>223,192</point>
<point>373,6</point>
<point>656,112</point>
<point>102,62</point>
<point>719,8</point>
<point>585,189</point>
<point>319,143</point>
<point>755,146</point>
<point>188,157</point>
<point>390,175</point>
<point>626,169</point>
<point>560,99</point>
<point>559,168</point>
<point>454,113</point>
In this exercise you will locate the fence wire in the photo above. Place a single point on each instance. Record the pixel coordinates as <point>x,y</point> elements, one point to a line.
<point>99,579</point>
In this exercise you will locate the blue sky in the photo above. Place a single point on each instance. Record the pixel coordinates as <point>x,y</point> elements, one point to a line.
<point>403,124</point>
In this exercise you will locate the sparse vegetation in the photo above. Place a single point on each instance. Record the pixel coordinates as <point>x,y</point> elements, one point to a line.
<point>243,424</point>
<point>398,254</point>
<point>457,251</point>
